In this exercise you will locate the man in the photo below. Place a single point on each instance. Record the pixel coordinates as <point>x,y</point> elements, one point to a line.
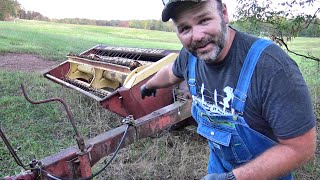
<point>258,118</point>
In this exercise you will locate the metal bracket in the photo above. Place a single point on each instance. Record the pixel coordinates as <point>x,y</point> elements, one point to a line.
<point>129,120</point>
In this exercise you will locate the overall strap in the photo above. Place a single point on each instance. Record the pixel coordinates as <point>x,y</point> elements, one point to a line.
<point>192,60</point>
<point>240,93</point>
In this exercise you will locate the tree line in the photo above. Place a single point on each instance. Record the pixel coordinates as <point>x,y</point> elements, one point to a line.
<point>263,29</point>
<point>139,24</point>
<point>11,9</point>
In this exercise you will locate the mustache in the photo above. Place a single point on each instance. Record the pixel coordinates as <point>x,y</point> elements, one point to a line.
<point>203,42</point>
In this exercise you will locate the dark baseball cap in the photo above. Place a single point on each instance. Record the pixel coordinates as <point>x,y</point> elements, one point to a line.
<point>168,8</point>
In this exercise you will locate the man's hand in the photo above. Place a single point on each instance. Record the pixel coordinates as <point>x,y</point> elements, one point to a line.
<point>147,92</point>
<point>222,176</point>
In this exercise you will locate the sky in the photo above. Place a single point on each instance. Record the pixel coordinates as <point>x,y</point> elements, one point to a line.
<point>101,9</point>
<point>112,9</point>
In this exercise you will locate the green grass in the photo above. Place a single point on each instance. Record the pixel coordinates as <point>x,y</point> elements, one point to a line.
<point>21,120</point>
<point>54,40</point>
<point>305,45</point>
<point>309,68</point>
<point>37,131</point>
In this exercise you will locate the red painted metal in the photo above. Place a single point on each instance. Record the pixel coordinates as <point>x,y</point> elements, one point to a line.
<point>60,71</point>
<point>85,165</point>
<point>65,164</point>
<point>24,176</point>
<point>127,102</point>
<point>153,115</point>
<point>123,101</point>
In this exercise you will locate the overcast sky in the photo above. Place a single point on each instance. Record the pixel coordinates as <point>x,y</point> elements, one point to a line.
<point>101,9</point>
<point>114,9</point>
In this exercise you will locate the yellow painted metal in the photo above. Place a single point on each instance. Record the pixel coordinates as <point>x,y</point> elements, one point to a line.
<point>104,78</point>
<point>141,74</point>
<point>99,82</point>
<point>80,71</point>
<point>97,77</point>
<point>115,76</point>
<point>133,73</point>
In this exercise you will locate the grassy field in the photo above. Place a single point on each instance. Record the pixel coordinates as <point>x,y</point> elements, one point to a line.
<point>42,130</point>
<point>54,40</point>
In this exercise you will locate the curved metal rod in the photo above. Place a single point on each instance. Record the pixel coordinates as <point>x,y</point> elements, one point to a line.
<point>69,114</point>
<point>11,150</point>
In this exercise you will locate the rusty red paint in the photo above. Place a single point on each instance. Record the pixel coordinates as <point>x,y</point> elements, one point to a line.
<point>127,102</point>
<point>61,71</point>
<point>85,165</point>
<point>66,163</point>
<point>114,103</point>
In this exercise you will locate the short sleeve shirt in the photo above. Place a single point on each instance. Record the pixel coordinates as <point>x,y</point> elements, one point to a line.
<point>278,102</point>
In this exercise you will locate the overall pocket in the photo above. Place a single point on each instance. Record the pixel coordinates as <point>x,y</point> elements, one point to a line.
<point>227,144</point>
<point>236,153</point>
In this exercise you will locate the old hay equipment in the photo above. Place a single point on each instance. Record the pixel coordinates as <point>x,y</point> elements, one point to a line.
<point>112,76</point>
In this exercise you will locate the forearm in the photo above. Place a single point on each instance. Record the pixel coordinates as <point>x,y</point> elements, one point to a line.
<point>162,79</point>
<point>277,161</point>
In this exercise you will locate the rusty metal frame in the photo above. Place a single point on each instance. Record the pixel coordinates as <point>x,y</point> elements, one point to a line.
<point>71,163</point>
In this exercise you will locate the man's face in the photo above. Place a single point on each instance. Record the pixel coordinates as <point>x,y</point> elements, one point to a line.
<point>202,29</point>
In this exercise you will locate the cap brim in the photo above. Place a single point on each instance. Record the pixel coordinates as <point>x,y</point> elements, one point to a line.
<point>168,9</point>
<point>167,12</point>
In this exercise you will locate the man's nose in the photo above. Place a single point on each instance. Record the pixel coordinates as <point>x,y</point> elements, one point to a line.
<point>197,34</point>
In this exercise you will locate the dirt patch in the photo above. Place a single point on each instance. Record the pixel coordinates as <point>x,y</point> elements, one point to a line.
<point>25,63</point>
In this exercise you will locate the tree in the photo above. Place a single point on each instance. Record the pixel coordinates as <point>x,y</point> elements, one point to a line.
<point>8,8</point>
<point>280,20</point>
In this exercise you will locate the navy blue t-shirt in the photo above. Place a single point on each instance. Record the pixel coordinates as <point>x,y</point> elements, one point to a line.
<point>278,103</point>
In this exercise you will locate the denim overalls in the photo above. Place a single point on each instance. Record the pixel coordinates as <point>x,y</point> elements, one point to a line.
<point>232,142</point>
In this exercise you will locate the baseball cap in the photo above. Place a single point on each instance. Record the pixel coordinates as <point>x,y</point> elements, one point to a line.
<point>168,8</point>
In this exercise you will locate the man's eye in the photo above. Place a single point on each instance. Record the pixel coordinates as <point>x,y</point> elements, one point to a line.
<point>204,21</point>
<point>183,29</point>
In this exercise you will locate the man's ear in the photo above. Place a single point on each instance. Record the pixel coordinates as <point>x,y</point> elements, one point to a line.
<point>225,13</point>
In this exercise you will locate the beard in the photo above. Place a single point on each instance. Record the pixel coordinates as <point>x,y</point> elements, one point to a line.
<point>218,42</point>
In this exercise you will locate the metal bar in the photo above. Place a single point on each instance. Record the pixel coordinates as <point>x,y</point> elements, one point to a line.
<point>69,114</point>
<point>99,64</point>
<point>72,87</point>
<point>11,150</point>
<point>106,143</point>
<point>79,139</point>
<point>145,126</point>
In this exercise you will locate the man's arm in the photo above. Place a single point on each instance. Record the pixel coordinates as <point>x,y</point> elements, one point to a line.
<point>279,160</point>
<point>163,78</point>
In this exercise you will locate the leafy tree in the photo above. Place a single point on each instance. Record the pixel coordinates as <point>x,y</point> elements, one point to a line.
<point>313,30</point>
<point>8,8</point>
<point>280,20</point>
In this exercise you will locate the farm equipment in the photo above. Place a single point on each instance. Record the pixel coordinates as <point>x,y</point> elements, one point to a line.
<point>113,76</point>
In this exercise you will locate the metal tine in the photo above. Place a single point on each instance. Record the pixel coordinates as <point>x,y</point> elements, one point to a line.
<point>103,53</point>
<point>113,54</point>
<point>121,54</point>
<point>97,52</point>
<point>132,56</point>
<point>107,53</point>
<point>139,56</point>
<point>94,51</point>
<point>118,54</point>
<point>124,55</point>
